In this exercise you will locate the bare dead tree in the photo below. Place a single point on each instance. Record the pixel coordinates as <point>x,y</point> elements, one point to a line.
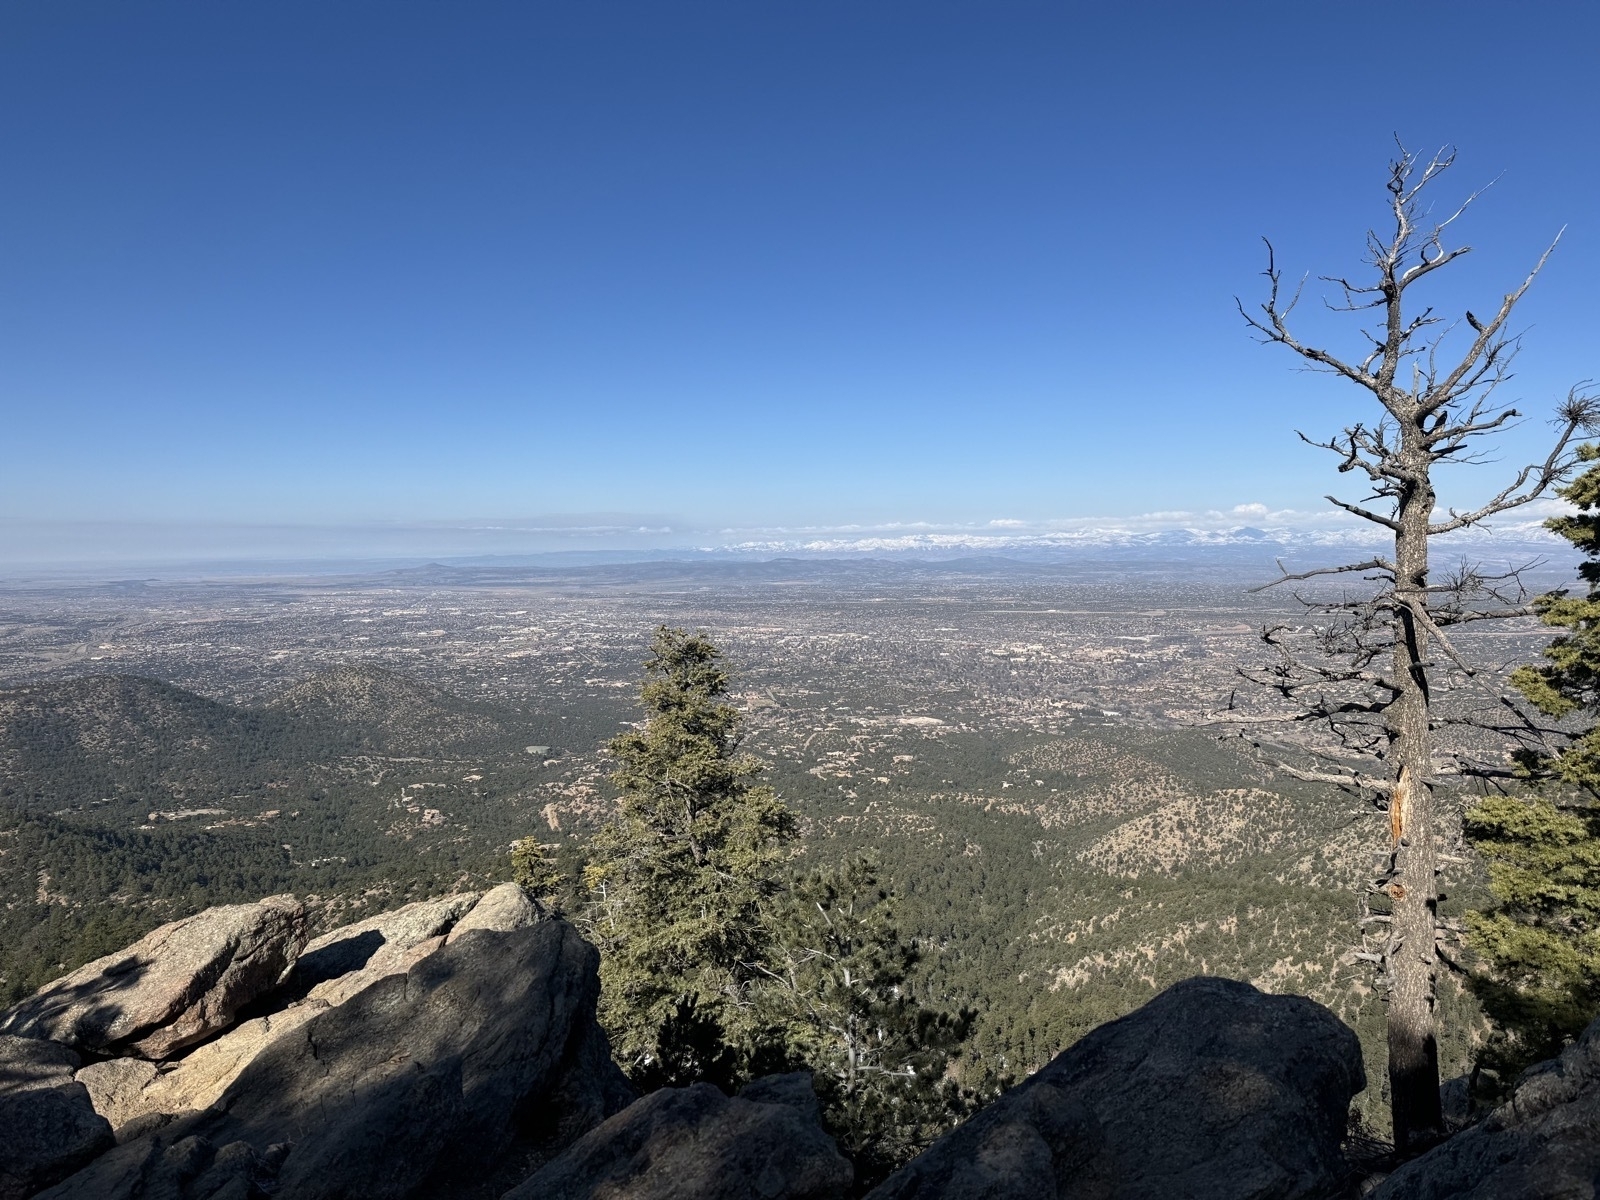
<point>1365,671</point>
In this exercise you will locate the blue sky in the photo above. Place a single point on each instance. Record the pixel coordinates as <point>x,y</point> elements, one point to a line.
<point>749,267</point>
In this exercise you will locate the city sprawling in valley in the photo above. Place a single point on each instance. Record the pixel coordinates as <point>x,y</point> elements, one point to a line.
<point>1039,754</point>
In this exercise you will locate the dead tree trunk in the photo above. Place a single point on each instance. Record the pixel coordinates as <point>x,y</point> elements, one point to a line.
<point>1368,674</point>
<point>1412,959</point>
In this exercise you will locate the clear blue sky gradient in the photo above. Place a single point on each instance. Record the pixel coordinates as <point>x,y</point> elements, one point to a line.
<point>736,264</point>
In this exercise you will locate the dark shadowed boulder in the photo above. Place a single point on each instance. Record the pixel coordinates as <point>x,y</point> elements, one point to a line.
<point>418,1086</point>
<point>796,1090</point>
<point>1542,1144</point>
<point>695,1143</point>
<point>178,1163</point>
<point>48,1127</point>
<point>1212,1091</point>
<point>589,1089</point>
<point>172,988</point>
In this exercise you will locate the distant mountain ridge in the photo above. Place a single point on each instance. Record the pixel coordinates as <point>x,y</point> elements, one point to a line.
<point>450,556</point>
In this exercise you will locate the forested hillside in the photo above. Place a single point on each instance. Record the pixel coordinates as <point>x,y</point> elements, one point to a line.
<point>125,802</point>
<point>1051,880</point>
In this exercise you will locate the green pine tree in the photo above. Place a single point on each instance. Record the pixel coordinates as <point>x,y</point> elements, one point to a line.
<point>1568,682</point>
<point>1540,946</point>
<point>838,992</point>
<point>678,878</point>
<point>531,866</point>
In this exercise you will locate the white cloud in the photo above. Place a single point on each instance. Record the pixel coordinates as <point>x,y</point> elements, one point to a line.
<point>1250,524</point>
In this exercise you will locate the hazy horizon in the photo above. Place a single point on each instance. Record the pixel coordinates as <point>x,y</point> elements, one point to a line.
<point>102,549</point>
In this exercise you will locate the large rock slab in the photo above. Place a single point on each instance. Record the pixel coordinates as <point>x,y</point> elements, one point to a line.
<point>394,959</point>
<point>1212,1091</point>
<point>408,935</point>
<point>424,1080</point>
<point>116,1087</point>
<point>48,1127</point>
<point>127,1090</point>
<point>174,987</point>
<point>695,1143</point>
<point>353,947</point>
<point>1542,1144</point>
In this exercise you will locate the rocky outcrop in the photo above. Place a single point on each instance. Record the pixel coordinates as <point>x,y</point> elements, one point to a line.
<point>1211,1090</point>
<point>421,1081</point>
<point>450,1050</point>
<point>174,987</point>
<point>332,969</point>
<point>695,1143</point>
<point>48,1127</point>
<point>1544,1142</point>
<point>504,908</point>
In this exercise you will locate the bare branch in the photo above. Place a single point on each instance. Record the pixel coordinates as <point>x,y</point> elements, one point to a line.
<point>1372,564</point>
<point>1419,610</point>
<point>1446,392</point>
<point>1275,327</point>
<point>1365,513</point>
<point>1579,412</point>
<point>1352,779</point>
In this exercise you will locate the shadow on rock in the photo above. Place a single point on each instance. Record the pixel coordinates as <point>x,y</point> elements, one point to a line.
<point>48,1127</point>
<point>425,1084</point>
<point>694,1143</point>
<point>1212,1091</point>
